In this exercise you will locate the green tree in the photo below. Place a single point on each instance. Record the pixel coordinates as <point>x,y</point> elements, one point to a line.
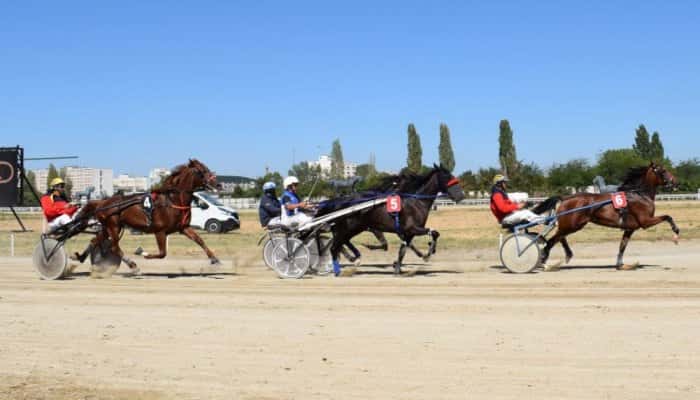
<point>576,174</point>
<point>468,181</point>
<point>656,148</point>
<point>642,145</point>
<point>53,173</point>
<point>530,178</point>
<point>614,164</point>
<point>447,156</point>
<point>337,163</point>
<point>28,198</point>
<point>484,178</point>
<point>364,170</point>
<point>415,151</point>
<point>506,149</point>
<point>688,174</point>
<point>259,182</point>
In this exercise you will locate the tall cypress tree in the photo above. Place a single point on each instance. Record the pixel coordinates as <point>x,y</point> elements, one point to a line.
<point>506,149</point>
<point>415,151</point>
<point>642,144</point>
<point>337,163</point>
<point>447,156</point>
<point>656,148</point>
<point>53,173</point>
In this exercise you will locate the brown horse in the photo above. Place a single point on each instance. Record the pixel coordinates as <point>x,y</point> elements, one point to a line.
<point>170,212</point>
<point>639,186</point>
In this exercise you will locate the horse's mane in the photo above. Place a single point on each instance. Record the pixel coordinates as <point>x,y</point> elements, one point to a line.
<point>171,181</point>
<point>634,179</point>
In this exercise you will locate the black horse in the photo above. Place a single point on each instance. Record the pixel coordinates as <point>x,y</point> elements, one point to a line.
<point>417,200</point>
<point>404,182</point>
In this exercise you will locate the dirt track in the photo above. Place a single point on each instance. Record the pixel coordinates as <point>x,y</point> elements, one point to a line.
<point>460,328</point>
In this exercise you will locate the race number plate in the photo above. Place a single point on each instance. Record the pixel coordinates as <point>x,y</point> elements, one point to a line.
<point>393,204</point>
<point>619,200</point>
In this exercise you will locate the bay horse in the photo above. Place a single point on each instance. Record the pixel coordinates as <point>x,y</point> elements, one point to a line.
<point>410,220</point>
<point>170,212</point>
<point>639,185</point>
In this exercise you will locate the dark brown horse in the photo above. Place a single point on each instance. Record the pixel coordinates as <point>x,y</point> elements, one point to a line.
<point>170,212</point>
<point>640,186</point>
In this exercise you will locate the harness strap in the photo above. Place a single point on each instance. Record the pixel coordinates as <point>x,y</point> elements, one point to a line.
<point>187,209</point>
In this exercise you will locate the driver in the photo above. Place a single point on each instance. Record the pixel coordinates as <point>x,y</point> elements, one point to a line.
<point>270,208</point>
<point>55,204</point>
<point>506,211</point>
<point>291,203</point>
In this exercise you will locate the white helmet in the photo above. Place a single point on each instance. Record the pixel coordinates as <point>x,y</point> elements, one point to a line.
<point>290,180</point>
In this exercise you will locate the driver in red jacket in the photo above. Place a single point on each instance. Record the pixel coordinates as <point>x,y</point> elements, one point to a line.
<point>57,210</point>
<point>506,211</point>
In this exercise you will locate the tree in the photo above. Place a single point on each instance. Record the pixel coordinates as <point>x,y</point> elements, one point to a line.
<point>576,174</point>
<point>337,163</point>
<point>688,175</point>
<point>485,178</point>
<point>414,161</point>
<point>447,157</point>
<point>642,146</point>
<point>656,148</point>
<point>468,181</point>
<point>614,164</point>
<point>53,174</point>
<point>530,179</point>
<point>268,177</point>
<point>28,198</point>
<point>506,149</point>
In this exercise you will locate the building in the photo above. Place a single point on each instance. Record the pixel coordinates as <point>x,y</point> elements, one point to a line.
<point>350,170</point>
<point>84,179</point>
<point>156,175</point>
<point>325,163</point>
<point>230,182</point>
<point>130,184</point>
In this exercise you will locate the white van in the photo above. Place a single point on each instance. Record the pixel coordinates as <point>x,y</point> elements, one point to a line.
<point>210,214</point>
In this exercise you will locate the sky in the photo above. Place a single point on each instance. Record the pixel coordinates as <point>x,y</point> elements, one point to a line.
<point>133,85</point>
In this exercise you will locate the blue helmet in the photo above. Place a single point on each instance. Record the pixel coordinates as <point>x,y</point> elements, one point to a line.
<point>269,186</point>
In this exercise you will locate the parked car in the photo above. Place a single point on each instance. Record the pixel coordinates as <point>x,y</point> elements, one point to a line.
<point>210,214</point>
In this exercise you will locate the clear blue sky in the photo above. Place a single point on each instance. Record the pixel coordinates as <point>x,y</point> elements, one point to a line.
<point>241,85</point>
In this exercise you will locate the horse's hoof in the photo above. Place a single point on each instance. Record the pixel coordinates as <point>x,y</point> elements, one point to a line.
<point>138,251</point>
<point>568,258</point>
<point>627,267</point>
<point>551,267</point>
<point>215,261</point>
<point>357,261</point>
<point>675,239</point>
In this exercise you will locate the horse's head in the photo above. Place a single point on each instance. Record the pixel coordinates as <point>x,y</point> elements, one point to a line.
<point>203,177</point>
<point>448,183</point>
<point>657,175</point>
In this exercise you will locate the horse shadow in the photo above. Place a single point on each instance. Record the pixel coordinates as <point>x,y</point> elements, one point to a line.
<point>503,269</point>
<point>159,275</point>
<point>408,270</point>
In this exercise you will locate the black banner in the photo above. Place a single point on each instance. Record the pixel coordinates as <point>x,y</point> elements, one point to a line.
<point>9,176</point>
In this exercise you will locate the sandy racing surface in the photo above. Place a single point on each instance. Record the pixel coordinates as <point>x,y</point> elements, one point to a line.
<point>459,329</point>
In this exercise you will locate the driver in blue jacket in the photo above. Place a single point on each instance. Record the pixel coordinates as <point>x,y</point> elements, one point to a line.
<point>270,207</point>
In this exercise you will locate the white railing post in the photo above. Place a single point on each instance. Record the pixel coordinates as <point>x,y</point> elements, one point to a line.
<point>12,244</point>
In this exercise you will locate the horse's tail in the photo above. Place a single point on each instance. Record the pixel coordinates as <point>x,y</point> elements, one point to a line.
<point>547,205</point>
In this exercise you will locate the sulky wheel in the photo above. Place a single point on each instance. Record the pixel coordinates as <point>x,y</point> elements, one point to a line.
<point>520,253</point>
<point>268,249</point>
<point>290,258</point>
<point>103,259</point>
<point>50,259</point>
<point>322,263</point>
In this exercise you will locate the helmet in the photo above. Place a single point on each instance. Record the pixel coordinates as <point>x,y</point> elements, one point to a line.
<point>499,178</point>
<point>56,181</point>
<point>290,180</point>
<point>269,186</point>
